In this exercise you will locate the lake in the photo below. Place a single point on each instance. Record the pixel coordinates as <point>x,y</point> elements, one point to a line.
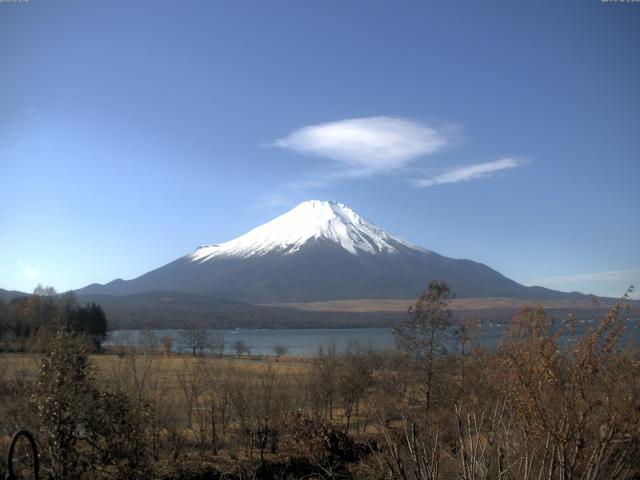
<point>308,341</point>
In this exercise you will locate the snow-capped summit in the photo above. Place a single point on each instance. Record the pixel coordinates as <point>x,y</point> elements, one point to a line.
<point>310,220</point>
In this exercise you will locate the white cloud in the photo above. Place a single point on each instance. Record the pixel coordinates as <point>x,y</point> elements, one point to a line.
<point>470,172</point>
<point>362,147</point>
<point>368,145</point>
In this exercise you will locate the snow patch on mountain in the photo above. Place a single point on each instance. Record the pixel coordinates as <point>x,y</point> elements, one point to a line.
<point>310,220</point>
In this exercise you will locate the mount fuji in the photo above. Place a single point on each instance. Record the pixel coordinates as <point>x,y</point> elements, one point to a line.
<point>319,251</point>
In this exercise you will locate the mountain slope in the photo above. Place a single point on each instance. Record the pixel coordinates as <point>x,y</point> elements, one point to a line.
<point>319,251</point>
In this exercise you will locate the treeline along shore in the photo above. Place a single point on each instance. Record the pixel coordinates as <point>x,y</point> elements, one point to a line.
<point>533,407</point>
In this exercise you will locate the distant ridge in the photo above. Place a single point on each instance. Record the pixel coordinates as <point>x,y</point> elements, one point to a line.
<point>162,309</point>
<point>8,295</point>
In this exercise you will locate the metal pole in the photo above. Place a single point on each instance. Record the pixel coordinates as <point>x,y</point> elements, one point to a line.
<point>34,452</point>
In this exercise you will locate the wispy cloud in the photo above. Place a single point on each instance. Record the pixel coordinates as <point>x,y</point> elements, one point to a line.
<point>271,200</point>
<point>611,283</point>
<point>611,276</point>
<point>368,145</point>
<point>288,194</point>
<point>469,172</point>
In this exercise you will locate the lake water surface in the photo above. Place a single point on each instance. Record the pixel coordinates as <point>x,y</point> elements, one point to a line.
<point>308,341</point>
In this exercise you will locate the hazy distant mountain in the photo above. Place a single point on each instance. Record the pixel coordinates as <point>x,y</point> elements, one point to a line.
<point>163,309</point>
<point>7,295</point>
<point>319,251</point>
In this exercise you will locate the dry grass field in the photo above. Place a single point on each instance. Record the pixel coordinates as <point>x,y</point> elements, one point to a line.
<point>357,414</point>
<point>369,305</point>
<point>25,365</point>
<point>354,414</point>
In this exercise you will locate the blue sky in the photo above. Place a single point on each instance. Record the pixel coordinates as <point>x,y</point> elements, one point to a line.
<point>505,132</point>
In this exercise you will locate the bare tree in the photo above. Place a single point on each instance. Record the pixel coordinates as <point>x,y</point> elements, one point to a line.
<point>421,335</point>
<point>167,343</point>
<point>218,344</point>
<point>280,350</point>
<point>241,348</point>
<point>575,405</point>
<point>148,341</point>
<point>192,384</point>
<point>466,334</point>
<point>324,376</point>
<point>355,372</point>
<point>197,339</point>
<point>412,455</point>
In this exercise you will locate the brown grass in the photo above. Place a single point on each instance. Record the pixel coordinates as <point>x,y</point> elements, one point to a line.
<point>370,305</point>
<point>25,365</point>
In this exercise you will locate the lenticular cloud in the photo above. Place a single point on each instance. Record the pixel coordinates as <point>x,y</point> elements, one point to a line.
<point>369,145</point>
